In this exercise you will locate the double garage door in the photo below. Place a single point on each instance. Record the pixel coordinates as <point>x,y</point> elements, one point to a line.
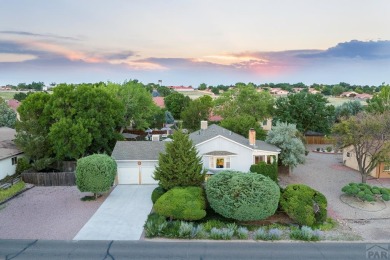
<point>136,174</point>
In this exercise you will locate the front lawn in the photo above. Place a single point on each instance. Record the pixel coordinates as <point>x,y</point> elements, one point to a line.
<point>14,189</point>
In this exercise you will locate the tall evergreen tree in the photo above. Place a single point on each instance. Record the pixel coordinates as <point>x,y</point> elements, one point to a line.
<point>180,165</point>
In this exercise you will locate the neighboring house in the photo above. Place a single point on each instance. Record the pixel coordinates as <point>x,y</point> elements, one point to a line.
<point>181,88</point>
<point>382,170</point>
<point>363,96</point>
<point>220,149</point>
<point>266,124</point>
<point>9,154</point>
<point>159,101</point>
<point>14,104</point>
<point>349,94</point>
<point>278,92</point>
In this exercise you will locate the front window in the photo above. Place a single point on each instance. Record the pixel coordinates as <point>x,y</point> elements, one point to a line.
<point>14,160</point>
<point>220,162</point>
<point>386,168</point>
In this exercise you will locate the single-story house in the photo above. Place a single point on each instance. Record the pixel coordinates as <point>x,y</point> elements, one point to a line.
<point>9,153</point>
<point>220,149</point>
<point>382,170</point>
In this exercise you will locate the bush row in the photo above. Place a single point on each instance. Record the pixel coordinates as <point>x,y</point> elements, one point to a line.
<point>158,226</point>
<point>366,192</point>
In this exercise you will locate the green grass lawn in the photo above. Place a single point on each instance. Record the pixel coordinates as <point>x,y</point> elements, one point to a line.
<point>8,193</point>
<point>7,95</point>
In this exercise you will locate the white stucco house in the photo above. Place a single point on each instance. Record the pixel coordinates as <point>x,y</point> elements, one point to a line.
<point>220,149</point>
<point>9,153</point>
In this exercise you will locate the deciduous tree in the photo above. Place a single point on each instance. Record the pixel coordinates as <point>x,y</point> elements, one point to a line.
<point>199,109</point>
<point>369,136</point>
<point>381,101</point>
<point>176,103</point>
<point>241,124</point>
<point>245,100</point>
<point>307,111</point>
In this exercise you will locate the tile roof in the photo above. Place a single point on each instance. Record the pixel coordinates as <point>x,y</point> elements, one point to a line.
<point>213,130</point>
<point>137,150</point>
<point>159,101</point>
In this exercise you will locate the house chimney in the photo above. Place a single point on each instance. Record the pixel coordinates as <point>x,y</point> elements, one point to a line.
<point>252,137</point>
<point>203,125</point>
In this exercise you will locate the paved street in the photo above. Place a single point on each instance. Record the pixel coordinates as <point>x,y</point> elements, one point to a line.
<point>40,249</point>
<point>121,216</point>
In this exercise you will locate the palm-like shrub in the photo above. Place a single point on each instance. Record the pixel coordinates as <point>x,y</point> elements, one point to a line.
<point>242,196</point>
<point>184,203</point>
<point>95,173</point>
<point>304,205</point>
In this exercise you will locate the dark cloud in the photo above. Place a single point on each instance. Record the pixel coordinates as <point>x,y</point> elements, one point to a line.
<point>49,35</point>
<point>19,48</point>
<point>369,50</point>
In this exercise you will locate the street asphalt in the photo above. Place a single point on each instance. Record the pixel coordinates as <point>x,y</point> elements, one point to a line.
<point>41,249</point>
<point>121,216</point>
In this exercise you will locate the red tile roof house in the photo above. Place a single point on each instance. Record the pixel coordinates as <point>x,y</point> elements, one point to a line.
<point>14,104</point>
<point>220,149</point>
<point>159,101</point>
<point>9,153</point>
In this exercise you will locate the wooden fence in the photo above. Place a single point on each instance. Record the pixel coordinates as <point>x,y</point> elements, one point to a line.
<point>317,140</point>
<point>49,178</point>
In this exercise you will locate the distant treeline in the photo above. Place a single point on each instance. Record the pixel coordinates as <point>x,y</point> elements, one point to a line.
<point>325,89</point>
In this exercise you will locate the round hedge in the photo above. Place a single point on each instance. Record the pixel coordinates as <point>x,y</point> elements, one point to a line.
<point>157,193</point>
<point>242,196</point>
<point>184,203</point>
<point>95,173</point>
<point>304,205</point>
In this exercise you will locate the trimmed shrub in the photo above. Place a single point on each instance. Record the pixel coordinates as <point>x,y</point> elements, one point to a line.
<point>242,196</point>
<point>213,223</point>
<point>157,193</point>
<point>95,173</point>
<point>269,170</point>
<point>304,205</point>
<point>242,233</point>
<point>155,225</point>
<point>366,192</point>
<point>306,233</point>
<point>184,203</point>
<point>22,165</point>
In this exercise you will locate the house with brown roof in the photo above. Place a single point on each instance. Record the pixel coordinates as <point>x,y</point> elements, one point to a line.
<point>9,153</point>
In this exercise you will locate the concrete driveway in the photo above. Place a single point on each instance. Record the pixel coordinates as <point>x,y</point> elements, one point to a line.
<point>121,216</point>
<point>327,174</point>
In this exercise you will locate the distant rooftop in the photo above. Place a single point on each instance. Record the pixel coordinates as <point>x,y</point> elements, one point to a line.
<point>7,145</point>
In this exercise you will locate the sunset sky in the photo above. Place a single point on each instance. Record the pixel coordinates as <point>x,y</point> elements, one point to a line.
<point>185,42</point>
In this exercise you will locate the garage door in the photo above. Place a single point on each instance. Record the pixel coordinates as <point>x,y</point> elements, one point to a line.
<point>135,175</point>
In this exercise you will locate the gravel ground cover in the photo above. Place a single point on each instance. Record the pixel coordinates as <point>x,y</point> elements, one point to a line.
<point>52,213</point>
<point>327,174</point>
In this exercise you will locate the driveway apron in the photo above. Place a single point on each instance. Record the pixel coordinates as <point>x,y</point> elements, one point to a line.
<point>121,216</point>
